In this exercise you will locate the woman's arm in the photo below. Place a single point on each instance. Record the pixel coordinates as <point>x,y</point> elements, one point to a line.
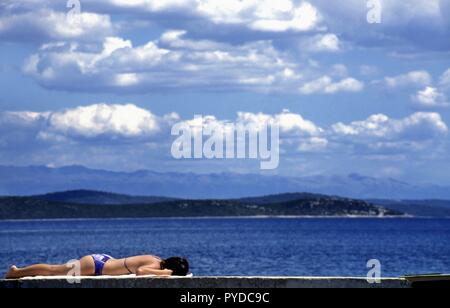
<point>146,270</point>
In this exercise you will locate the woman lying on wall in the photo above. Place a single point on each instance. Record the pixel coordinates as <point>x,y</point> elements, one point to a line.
<point>105,265</point>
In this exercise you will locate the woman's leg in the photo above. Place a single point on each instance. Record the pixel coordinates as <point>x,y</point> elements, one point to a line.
<point>86,267</point>
<point>38,270</point>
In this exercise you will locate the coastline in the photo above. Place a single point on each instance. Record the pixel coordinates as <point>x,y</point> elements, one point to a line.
<point>228,218</point>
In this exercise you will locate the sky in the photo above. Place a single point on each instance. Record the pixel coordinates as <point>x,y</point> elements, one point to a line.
<point>357,87</point>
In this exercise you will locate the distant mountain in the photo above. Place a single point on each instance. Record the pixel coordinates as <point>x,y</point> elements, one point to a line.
<point>99,198</point>
<point>309,205</point>
<point>25,181</point>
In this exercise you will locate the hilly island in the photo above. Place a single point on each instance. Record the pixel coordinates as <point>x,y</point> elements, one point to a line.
<point>91,204</point>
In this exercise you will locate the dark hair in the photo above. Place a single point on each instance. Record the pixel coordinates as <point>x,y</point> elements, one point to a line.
<point>179,266</point>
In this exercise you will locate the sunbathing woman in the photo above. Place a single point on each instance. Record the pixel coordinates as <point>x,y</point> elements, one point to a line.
<point>104,265</point>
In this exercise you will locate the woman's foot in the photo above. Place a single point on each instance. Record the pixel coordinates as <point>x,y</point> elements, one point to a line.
<point>12,273</point>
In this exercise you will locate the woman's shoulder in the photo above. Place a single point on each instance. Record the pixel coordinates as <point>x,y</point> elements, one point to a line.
<point>148,258</point>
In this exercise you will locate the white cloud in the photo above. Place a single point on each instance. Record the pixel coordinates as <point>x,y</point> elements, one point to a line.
<point>314,144</point>
<point>297,134</point>
<point>174,61</point>
<point>102,119</point>
<point>112,122</point>
<point>175,39</point>
<point>411,79</point>
<point>327,42</point>
<point>326,85</point>
<point>415,23</point>
<point>419,25</point>
<point>289,123</point>
<point>379,132</point>
<point>320,43</point>
<point>45,24</point>
<point>153,5</point>
<point>339,70</point>
<point>305,17</point>
<point>345,85</point>
<point>316,86</point>
<point>107,121</point>
<point>445,79</point>
<point>430,98</point>
<point>256,15</point>
<point>18,130</point>
<point>121,65</point>
<point>127,80</point>
<point>402,21</point>
<point>22,118</point>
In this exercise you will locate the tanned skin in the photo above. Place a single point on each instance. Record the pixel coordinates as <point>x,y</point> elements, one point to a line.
<point>139,265</point>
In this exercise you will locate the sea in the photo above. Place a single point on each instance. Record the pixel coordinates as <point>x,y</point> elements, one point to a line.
<point>241,246</point>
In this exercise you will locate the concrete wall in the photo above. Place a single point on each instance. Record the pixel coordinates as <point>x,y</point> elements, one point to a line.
<point>206,282</point>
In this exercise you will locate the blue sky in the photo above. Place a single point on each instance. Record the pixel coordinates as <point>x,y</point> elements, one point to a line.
<point>353,97</point>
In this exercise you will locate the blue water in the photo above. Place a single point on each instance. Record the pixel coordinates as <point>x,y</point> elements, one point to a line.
<point>295,247</point>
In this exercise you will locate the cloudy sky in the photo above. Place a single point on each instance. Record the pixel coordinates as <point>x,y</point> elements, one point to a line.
<point>102,88</point>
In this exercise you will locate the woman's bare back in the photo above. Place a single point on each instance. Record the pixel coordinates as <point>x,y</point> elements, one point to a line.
<point>131,265</point>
